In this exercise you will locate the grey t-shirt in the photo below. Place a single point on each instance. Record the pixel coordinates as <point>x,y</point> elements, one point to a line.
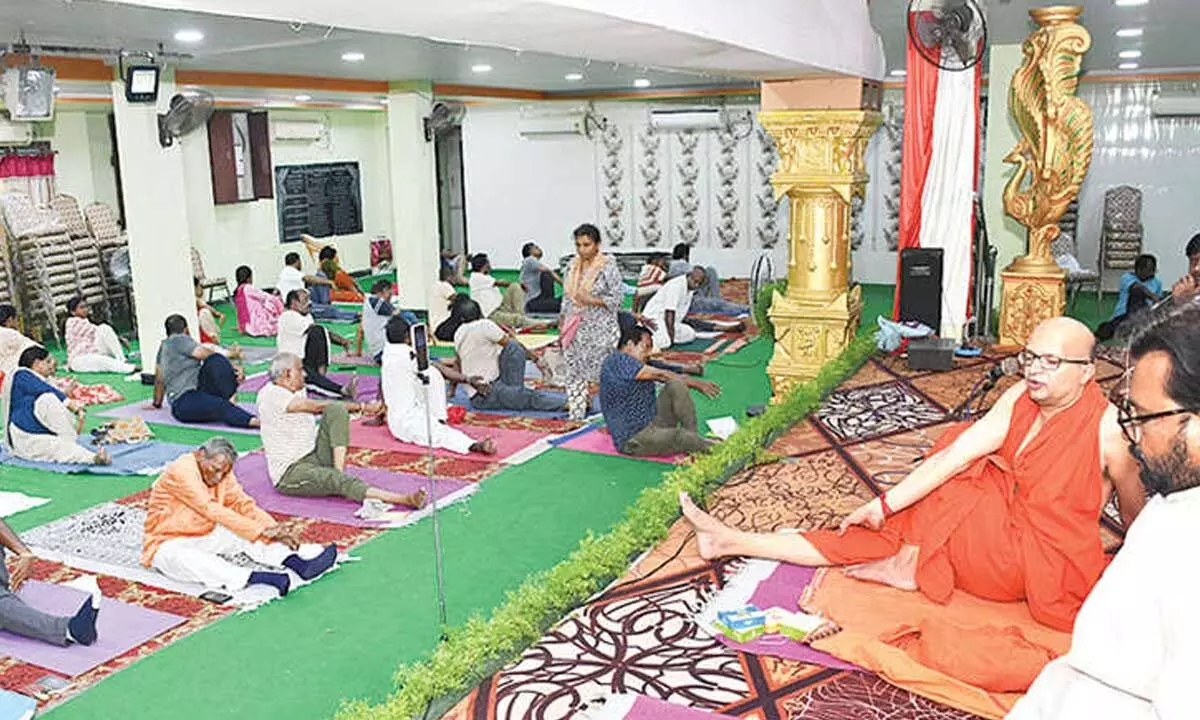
<point>180,371</point>
<point>531,272</point>
<point>677,268</point>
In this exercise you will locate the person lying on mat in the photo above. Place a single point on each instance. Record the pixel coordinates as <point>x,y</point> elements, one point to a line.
<point>708,296</point>
<point>1136,643</point>
<point>302,460</point>
<point>344,288</point>
<point>1005,508</point>
<point>493,361</point>
<point>640,422</point>
<point>291,278</point>
<point>40,423</point>
<point>12,342</point>
<point>258,311</point>
<point>538,282</point>
<point>377,310</point>
<point>19,619</point>
<point>669,306</point>
<point>199,383</point>
<point>299,335</point>
<point>508,309</point>
<point>198,512</point>
<point>92,347</point>
<point>408,399</point>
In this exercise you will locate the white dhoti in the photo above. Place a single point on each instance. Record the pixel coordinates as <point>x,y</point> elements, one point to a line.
<point>60,444</point>
<point>197,559</point>
<point>407,398</point>
<point>684,333</point>
<point>109,355</point>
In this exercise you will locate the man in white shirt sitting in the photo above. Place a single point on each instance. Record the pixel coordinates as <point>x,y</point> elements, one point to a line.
<point>302,460</point>
<point>494,363</point>
<point>1136,645</point>
<point>299,335</point>
<point>292,278</point>
<point>670,305</point>
<point>508,309</point>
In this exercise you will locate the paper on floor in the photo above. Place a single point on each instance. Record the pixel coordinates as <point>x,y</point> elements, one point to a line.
<point>723,427</point>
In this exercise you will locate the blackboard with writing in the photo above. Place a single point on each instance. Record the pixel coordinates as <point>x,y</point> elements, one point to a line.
<point>318,200</point>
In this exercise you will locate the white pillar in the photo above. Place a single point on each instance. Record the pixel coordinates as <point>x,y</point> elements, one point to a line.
<point>1005,233</point>
<point>152,185</point>
<point>414,196</point>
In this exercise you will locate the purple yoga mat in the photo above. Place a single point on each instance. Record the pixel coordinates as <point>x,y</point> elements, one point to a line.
<point>251,471</point>
<point>162,416</point>
<point>783,589</point>
<point>119,627</point>
<point>368,385</point>
<point>600,442</point>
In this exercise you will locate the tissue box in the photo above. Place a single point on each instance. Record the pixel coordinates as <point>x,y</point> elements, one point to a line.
<point>742,625</point>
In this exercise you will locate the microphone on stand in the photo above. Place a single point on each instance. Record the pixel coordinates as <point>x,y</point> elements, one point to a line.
<point>1005,368</point>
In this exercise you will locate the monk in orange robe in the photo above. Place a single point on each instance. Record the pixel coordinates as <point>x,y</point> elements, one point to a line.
<point>1005,508</point>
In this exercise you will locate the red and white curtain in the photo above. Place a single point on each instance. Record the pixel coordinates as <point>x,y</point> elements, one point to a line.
<point>29,171</point>
<point>940,175</point>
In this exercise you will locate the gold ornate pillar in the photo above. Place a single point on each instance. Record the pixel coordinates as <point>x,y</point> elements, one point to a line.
<point>821,169</point>
<point>1053,155</point>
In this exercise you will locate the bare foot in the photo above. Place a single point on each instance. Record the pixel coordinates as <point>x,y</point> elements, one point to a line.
<point>373,420</point>
<point>416,500</point>
<point>711,536</point>
<point>103,458</point>
<point>898,571</point>
<point>486,446</point>
<point>350,391</point>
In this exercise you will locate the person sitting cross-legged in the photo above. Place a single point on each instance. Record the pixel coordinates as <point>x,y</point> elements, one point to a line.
<point>258,311</point>
<point>92,347</point>
<point>1140,289</point>
<point>708,296</point>
<point>670,305</point>
<point>303,460</point>
<point>198,512</point>
<point>377,310</point>
<point>19,619</point>
<point>507,309</point>
<point>639,421</point>
<point>494,363</point>
<point>301,336</point>
<point>199,383</point>
<point>39,422</point>
<point>538,282</point>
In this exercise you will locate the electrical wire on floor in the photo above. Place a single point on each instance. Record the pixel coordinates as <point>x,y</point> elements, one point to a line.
<point>658,568</point>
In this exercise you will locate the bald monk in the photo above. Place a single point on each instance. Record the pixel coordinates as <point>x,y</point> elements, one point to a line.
<point>1005,508</point>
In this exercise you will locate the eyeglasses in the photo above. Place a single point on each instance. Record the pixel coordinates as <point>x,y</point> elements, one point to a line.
<point>1027,358</point>
<point>1131,425</point>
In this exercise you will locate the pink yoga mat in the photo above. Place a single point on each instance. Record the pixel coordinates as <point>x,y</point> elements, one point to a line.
<point>508,442</point>
<point>120,627</point>
<point>368,385</point>
<point>648,708</point>
<point>251,470</point>
<point>598,441</point>
<point>162,416</point>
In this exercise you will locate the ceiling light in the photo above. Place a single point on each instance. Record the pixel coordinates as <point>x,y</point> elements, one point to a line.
<point>353,56</point>
<point>189,36</point>
<point>1128,66</point>
<point>1129,32</point>
<point>1129,54</point>
<point>1131,3</point>
<point>898,73</point>
<point>303,98</point>
<point>481,68</point>
<point>573,77</point>
<point>641,83</point>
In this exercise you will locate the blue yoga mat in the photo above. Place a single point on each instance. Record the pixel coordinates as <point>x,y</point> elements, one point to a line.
<point>141,459</point>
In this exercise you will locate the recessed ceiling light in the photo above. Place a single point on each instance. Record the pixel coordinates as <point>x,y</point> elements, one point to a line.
<point>353,56</point>
<point>1129,54</point>
<point>481,68</point>
<point>641,83</point>
<point>1131,3</point>
<point>189,36</point>
<point>303,98</point>
<point>1128,66</point>
<point>898,73</point>
<point>574,77</point>
<point>1129,32</point>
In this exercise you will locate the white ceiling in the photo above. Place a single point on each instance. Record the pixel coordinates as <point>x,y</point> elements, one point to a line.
<point>1168,42</point>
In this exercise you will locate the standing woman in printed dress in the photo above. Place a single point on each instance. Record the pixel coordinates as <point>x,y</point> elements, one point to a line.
<point>592,297</point>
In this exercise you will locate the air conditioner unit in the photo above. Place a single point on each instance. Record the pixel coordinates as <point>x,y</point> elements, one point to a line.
<point>14,133</point>
<point>1175,105</point>
<point>297,130</point>
<point>668,119</point>
<point>552,125</point>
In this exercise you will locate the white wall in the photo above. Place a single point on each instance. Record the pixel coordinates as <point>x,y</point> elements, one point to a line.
<point>247,233</point>
<point>82,165</point>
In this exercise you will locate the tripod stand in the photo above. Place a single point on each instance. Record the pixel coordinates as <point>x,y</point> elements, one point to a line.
<point>439,580</point>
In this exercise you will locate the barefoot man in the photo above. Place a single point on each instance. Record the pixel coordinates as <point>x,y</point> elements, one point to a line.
<point>1005,508</point>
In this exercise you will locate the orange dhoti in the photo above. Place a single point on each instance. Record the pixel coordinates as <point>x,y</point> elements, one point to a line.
<point>344,288</point>
<point>1011,526</point>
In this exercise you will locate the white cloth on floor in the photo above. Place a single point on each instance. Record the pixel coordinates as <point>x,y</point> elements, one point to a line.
<point>1136,644</point>
<point>675,296</point>
<point>109,356</point>
<point>407,398</point>
<point>197,559</point>
<point>58,447</point>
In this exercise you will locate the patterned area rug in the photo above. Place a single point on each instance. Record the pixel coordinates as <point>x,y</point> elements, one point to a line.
<point>639,636</point>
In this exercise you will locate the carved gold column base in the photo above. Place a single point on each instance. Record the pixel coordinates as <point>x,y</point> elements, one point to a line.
<point>809,334</point>
<point>1028,298</point>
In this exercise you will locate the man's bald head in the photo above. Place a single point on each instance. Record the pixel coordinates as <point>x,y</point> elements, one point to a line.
<point>1063,336</point>
<point>1059,361</point>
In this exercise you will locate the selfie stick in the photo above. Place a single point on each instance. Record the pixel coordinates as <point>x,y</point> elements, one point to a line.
<point>422,359</point>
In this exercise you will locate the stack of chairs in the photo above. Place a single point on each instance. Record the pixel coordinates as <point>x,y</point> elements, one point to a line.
<point>8,282</point>
<point>93,280</point>
<point>43,261</point>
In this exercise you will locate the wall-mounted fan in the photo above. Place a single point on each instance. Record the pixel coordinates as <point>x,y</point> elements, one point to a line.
<point>443,116</point>
<point>188,111</point>
<point>951,34</point>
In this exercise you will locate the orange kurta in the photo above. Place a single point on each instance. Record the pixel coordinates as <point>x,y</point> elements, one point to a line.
<point>181,505</point>
<point>344,288</point>
<point>1011,526</point>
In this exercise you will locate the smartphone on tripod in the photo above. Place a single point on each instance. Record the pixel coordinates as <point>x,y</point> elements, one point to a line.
<point>419,334</point>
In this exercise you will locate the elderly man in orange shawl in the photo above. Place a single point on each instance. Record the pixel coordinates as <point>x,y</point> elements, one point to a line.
<point>1005,508</point>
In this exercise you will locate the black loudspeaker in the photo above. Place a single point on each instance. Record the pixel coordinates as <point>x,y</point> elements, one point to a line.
<point>921,286</point>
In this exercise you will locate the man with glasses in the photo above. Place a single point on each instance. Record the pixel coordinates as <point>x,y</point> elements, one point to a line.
<point>1136,646</point>
<point>1007,508</point>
